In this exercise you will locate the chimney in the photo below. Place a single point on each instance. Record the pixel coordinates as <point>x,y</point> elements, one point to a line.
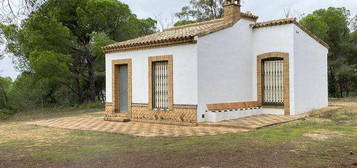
<point>231,10</point>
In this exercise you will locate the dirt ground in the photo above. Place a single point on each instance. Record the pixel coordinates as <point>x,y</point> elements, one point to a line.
<point>320,141</point>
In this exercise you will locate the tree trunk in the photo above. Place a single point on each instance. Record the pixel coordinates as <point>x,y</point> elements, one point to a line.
<point>91,78</point>
<point>332,83</point>
<point>340,86</point>
<point>79,89</point>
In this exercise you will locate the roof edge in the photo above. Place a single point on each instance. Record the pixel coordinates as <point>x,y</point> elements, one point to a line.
<point>195,24</point>
<point>307,31</point>
<point>249,16</point>
<point>243,15</point>
<point>289,21</point>
<point>155,44</point>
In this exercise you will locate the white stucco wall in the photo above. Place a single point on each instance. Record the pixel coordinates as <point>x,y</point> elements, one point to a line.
<point>310,77</point>
<point>184,72</point>
<point>221,68</point>
<point>275,39</point>
<point>224,66</point>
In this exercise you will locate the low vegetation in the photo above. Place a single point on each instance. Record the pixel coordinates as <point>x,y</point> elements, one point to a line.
<point>325,140</point>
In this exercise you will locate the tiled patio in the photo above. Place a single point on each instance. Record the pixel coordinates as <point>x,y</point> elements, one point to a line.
<point>134,128</point>
<point>253,122</point>
<point>96,123</point>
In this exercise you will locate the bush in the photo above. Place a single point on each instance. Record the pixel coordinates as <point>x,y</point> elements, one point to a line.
<point>93,105</point>
<point>5,114</point>
<point>5,84</point>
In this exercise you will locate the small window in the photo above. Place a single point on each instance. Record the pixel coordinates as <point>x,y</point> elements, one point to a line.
<point>160,85</point>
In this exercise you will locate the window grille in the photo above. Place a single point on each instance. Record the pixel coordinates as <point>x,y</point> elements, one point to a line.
<point>273,82</point>
<point>160,85</point>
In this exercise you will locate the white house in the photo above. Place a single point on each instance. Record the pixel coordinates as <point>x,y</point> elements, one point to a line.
<point>217,70</point>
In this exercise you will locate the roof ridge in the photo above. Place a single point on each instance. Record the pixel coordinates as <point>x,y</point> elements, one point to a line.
<point>175,35</point>
<point>248,14</point>
<point>195,24</point>
<point>274,21</point>
<point>244,14</point>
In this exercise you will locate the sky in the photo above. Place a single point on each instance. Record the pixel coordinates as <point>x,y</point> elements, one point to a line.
<point>163,11</point>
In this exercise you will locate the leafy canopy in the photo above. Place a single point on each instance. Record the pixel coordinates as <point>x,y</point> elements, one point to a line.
<point>200,10</point>
<point>58,48</point>
<point>332,26</point>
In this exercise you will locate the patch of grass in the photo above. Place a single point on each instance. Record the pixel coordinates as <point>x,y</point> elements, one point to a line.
<point>4,116</point>
<point>16,143</point>
<point>60,145</point>
<point>51,112</point>
<point>48,113</point>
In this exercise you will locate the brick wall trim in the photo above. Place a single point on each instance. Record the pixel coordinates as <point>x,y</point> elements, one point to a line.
<point>260,77</point>
<point>232,106</point>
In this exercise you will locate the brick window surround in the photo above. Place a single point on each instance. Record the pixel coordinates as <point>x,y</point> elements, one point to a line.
<point>151,60</point>
<point>115,84</point>
<point>286,82</point>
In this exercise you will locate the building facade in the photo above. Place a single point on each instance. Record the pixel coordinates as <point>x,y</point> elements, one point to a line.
<point>217,70</point>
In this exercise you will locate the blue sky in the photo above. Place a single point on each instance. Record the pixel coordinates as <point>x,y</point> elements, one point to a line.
<point>265,9</point>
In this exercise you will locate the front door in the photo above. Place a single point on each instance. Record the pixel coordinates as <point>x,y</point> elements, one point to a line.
<point>123,88</point>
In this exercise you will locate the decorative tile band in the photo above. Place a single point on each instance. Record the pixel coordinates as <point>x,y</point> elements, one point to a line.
<point>185,106</point>
<point>181,113</point>
<point>174,115</point>
<point>139,105</point>
<point>231,106</point>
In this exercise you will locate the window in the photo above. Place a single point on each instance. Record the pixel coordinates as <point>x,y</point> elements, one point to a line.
<point>273,82</point>
<point>283,84</point>
<point>160,85</point>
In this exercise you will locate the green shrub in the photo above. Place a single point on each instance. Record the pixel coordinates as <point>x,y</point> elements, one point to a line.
<point>92,105</point>
<point>5,114</point>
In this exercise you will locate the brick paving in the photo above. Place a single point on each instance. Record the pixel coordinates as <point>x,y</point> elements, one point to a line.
<point>162,130</point>
<point>134,128</point>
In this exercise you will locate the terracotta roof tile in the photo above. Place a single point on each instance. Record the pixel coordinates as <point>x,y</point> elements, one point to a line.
<point>249,16</point>
<point>176,34</point>
<point>273,23</point>
<point>185,33</point>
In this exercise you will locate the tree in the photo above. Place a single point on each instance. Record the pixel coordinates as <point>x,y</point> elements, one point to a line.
<point>1,52</point>
<point>353,48</point>
<point>60,43</point>
<point>184,22</point>
<point>354,23</point>
<point>13,11</point>
<point>331,25</point>
<point>201,10</point>
<point>5,84</point>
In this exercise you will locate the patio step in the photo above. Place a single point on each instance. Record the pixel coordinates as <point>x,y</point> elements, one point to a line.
<point>252,122</point>
<point>210,124</point>
<point>117,119</point>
